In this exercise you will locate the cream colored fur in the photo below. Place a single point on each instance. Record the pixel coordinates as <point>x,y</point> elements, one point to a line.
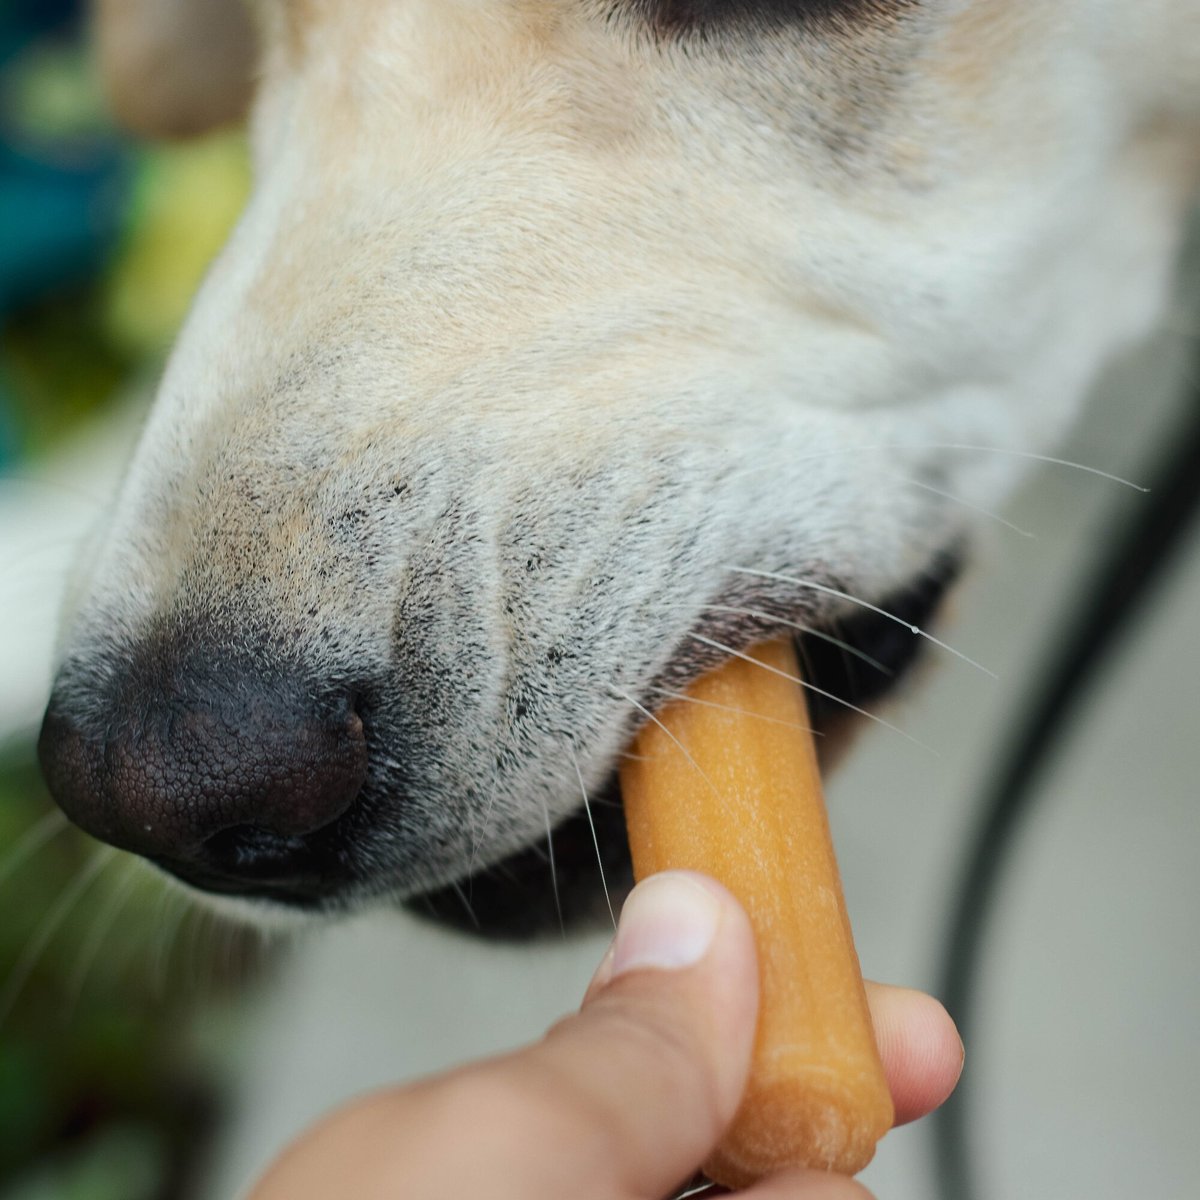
<point>536,325</point>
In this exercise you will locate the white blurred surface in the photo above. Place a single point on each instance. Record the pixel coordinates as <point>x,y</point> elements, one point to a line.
<point>46,511</point>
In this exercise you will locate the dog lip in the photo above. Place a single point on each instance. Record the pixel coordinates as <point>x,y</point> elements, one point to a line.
<point>515,898</point>
<point>306,887</point>
<point>857,659</point>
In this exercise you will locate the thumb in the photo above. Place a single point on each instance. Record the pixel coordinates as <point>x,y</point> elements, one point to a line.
<point>647,1076</point>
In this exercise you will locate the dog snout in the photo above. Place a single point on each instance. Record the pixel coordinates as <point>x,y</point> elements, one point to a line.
<point>223,776</point>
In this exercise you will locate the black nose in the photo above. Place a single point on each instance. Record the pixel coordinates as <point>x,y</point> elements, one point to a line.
<point>221,773</point>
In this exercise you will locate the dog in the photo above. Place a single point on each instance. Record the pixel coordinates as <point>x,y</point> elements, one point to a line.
<point>564,349</point>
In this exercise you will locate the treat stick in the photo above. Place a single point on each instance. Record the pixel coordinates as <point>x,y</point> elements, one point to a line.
<point>728,785</point>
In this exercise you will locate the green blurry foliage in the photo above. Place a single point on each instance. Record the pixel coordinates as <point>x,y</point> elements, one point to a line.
<point>101,1075</point>
<point>124,1163</point>
<point>60,365</point>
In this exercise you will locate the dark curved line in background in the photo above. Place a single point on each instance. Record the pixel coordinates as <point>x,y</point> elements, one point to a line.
<point>1109,599</point>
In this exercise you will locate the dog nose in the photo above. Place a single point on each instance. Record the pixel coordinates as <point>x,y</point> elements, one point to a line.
<point>219,775</point>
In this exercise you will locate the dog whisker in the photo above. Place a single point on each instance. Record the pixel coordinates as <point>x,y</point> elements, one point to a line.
<point>976,508</point>
<point>35,838</point>
<point>826,590</point>
<point>102,925</point>
<point>862,712</point>
<point>479,831</point>
<point>682,748</point>
<point>71,895</point>
<point>961,447</point>
<point>597,802</point>
<point>503,871</point>
<point>629,756</point>
<point>1048,459</point>
<point>168,936</point>
<point>466,903</point>
<point>587,808</point>
<point>740,712</point>
<point>553,867</point>
<point>808,630</point>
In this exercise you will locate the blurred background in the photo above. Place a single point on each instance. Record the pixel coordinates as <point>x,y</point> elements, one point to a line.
<point>150,1052</point>
<point>111,989</point>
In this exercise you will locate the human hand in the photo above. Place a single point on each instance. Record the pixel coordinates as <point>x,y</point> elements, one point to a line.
<point>621,1101</point>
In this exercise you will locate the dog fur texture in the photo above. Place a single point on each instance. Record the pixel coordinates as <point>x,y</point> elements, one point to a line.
<point>566,343</point>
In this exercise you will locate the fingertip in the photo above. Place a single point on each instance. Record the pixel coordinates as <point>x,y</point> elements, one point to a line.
<point>804,1184</point>
<point>922,1052</point>
<point>673,920</point>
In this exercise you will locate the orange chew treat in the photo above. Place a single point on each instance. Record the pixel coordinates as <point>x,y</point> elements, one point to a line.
<point>733,790</point>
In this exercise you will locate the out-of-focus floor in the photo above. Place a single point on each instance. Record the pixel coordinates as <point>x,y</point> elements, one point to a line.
<point>1087,1055</point>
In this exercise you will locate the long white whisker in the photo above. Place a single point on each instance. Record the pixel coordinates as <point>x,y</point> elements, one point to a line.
<point>862,712</point>
<point>1042,458</point>
<point>168,934</point>
<point>465,903</point>
<point>587,808</point>
<point>682,748</point>
<point>740,712</point>
<point>19,976</point>
<point>805,629</point>
<point>198,944</point>
<point>553,867</point>
<point>916,630</point>
<point>862,447</point>
<point>976,508</point>
<point>479,832</point>
<point>31,841</point>
<point>229,940</point>
<point>101,926</point>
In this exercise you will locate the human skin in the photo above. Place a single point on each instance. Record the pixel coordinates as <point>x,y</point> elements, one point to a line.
<point>620,1101</point>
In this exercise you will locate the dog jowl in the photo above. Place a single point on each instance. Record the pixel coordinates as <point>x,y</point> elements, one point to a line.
<point>564,347</point>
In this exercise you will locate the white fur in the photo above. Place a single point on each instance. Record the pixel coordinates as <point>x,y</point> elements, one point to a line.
<point>639,313</point>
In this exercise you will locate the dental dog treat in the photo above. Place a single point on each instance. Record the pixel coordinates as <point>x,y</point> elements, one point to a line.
<point>728,785</point>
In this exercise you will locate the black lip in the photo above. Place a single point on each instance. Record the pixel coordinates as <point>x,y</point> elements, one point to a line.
<point>517,898</point>
<point>308,891</point>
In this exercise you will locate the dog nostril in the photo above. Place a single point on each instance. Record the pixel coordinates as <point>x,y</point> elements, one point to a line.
<point>251,852</point>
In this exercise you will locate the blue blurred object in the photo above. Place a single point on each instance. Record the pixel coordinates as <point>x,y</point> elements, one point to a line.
<point>56,225</point>
<point>61,198</point>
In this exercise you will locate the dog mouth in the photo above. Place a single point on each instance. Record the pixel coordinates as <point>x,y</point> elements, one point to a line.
<point>578,875</point>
